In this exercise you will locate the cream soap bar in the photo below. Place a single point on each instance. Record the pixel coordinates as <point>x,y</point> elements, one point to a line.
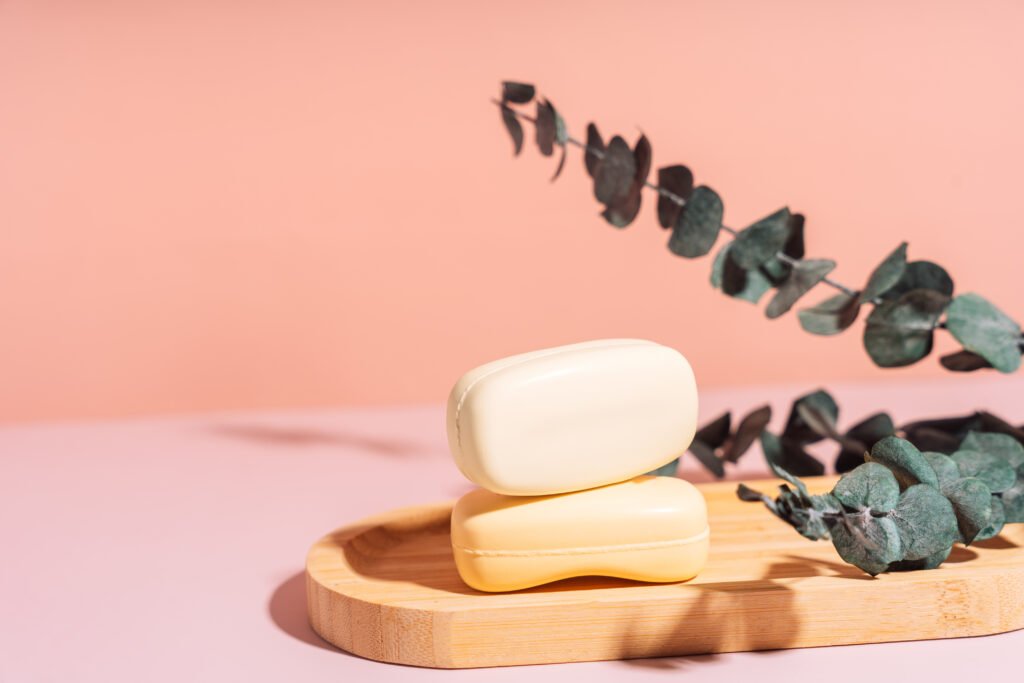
<point>647,529</point>
<point>572,417</point>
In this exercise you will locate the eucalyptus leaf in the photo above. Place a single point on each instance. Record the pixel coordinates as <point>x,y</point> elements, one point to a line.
<point>1013,499</point>
<point>860,438</point>
<point>921,275</point>
<point>749,429</point>
<point>715,433</point>
<point>775,456</point>
<point>972,504</point>
<point>946,471</point>
<point>996,472</point>
<point>964,361</point>
<point>900,332</point>
<point>622,212</point>
<point>520,93</point>
<point>905,461</point>
<point>736,282</point>
<point>804,276</point>
<point>886,275</point>
<point>595,150</point>
<point>789,456</point>
<point>985,330</point>
<point>869,543</point>
<point>831,316</point>
<point>761,241</point>
<point>870,486</point>
<point>678,180</point>
<point>997,521</point>
<point>545,127</point>
<point>794,247</point>
<point>797,428</point>
<point>930,562</point>
<point>931,439</point>
<point>706,455</point>
<point>514,128</point>
<point>1002,445</point>
<point>926,522</point>
<point>614,175</point>
<point>698,224</point>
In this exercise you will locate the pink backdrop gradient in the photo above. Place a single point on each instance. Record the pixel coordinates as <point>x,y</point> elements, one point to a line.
<point>246,205</point>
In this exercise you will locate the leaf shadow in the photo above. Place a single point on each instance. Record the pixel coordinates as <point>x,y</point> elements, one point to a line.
<point>305,437</point>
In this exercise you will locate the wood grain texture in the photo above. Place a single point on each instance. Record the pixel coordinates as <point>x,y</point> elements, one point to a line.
<point>387,589</point>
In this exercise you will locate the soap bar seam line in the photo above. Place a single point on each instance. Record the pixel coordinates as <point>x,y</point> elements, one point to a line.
<point>585,550</point>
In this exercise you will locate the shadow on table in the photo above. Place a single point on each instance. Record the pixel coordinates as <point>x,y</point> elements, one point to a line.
<point>287,608</point>
<point>298,437</point>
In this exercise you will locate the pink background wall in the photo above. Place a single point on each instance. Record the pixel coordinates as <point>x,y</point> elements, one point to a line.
<point>211,206</point>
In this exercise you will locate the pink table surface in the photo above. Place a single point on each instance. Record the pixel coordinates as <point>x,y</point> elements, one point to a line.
<point>172,549</point>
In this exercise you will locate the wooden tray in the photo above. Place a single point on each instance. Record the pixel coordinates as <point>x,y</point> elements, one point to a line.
<point>387,589</point>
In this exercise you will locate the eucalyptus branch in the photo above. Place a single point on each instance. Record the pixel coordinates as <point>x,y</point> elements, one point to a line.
<point>909,300</point>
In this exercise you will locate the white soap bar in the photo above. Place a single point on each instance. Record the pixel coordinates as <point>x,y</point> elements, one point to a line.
<point>572,417</point>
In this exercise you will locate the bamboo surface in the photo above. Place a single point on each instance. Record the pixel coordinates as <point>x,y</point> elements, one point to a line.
<point>386,588</point>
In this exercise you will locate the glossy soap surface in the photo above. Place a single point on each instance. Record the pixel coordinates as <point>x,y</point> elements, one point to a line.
<point>646,529</point>
<point>572,417</point>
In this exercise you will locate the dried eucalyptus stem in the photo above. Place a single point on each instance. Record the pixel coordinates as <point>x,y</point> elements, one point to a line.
<point>909,300</point>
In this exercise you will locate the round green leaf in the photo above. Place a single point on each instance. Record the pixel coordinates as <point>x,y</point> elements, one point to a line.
<point>926,522</point>
<point>761,241</point>
<point>985,330</point>
<point>930,562</point>
<point>614,175</point>
<point>869,486</point>
<point>963,361</point>
<point>520,93</point>
<point>921,275</point>
<point>972,504</point>
<point>698,224</point>
<point>997,522</point>
<point>802,278</point>
<point>899,332</point>
<point>621,212</point>
<point>1003,445</point>
<point>905,461</point>
<point>944,467</point>
<point>869,543</point>
<point>886,274</point>
<point>831,316</point>
<point>997,473</point>
<point>1013,499</point>
<point>678,180</point>
<point>545,127</point>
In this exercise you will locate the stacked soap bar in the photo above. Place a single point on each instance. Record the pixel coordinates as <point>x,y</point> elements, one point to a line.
<point>559,439</point>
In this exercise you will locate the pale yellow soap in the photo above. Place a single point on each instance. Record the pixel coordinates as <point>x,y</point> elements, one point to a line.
<point>572,417</point>
<point>646,529</point>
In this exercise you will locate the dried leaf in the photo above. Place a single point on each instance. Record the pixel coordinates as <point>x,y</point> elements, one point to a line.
<point>749,429</point>
<point>561,164</point>
<point>544,127</point>
<point>972,505</point>
<point>868,543</point>
<point>869,486</point>
<point>761,241</point>
<point>804,276</point>
<point>715,432</point>
<point>707,457</point>
<point>797,429</point>
<point>944,467</point>
<point>514,128</point>
<point>997,473</point>
<point>999,518</point>
<point>905,461</point>
<point>930,562</point>
<point>787,455</point>
<point>964,361</point>
<point>925,520</point>
<point>1013,499</point>
<point>736,282</point>
<point>899,332</point>
<point>698,224</point>
<point>595,150</point>
<point>931,439</point>
<point>985,330</point>
<point>622,213</point>
<point>860,438</point>
<point>1002,445</point>
<point>921,275</point>
<point>520,93</point>
<point>678,180</point>
<point>794,247</point>
<point>831,316</point>
<point>886,275</point>
<point>615,174</point>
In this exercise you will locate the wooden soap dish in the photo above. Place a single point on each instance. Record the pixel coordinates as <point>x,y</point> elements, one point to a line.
<point>387,589</point>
